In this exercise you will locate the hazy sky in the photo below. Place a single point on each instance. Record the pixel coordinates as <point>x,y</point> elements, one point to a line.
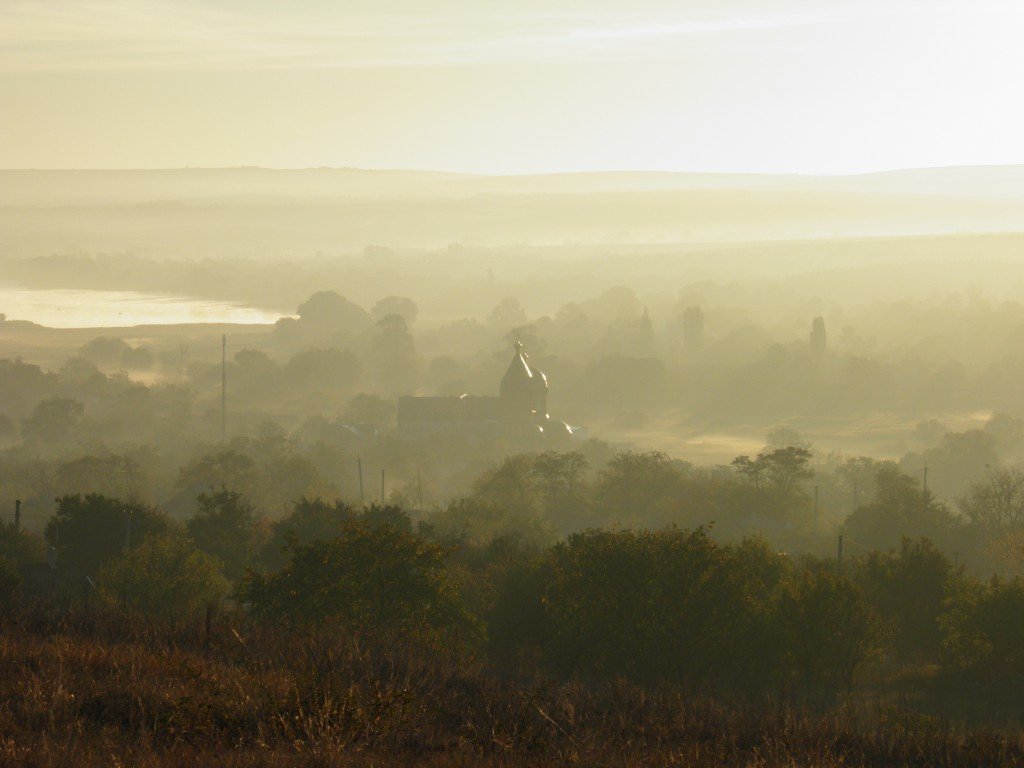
<point>511,87</point>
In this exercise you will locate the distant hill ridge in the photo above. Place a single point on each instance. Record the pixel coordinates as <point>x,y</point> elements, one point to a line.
<point>37,187</point>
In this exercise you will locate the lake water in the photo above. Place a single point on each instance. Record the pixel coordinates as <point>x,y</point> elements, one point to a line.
<point>63,308</point>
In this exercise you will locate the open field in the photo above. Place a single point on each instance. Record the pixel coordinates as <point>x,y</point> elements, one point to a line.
<point>87,694</point>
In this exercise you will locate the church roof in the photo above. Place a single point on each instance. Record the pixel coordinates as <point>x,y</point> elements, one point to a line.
<point>448,409</point>
<point>521,378</point>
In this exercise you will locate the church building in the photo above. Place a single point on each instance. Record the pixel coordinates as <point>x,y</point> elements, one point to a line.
<point>520,410</point>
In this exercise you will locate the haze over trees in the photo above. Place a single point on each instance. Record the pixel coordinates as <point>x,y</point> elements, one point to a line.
<point>766,462</point>
<point>520,462</point>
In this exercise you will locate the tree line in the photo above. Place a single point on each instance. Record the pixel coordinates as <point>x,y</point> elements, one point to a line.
<point>667,605</point>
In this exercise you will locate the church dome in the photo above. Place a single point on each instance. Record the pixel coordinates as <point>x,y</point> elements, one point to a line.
<point>518,381</point>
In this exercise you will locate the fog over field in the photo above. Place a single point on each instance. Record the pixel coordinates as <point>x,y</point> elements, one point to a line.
<point>511,384</point>
<point>273,213</point>
<point>693,341</point>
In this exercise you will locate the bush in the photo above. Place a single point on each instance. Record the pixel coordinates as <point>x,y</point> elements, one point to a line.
<point>10,582</point>
<point>823,630</point>
<point>310,520</point>
<point>19,547</point>
<point>105,350</point>
<point>919,576</point>
<point>90,530</point>
<point>53,419</point>
<point>655,606</point>
<point>227,527</point>
<point>370,578</point>
<point>984,638</point>
<point>166,577</point>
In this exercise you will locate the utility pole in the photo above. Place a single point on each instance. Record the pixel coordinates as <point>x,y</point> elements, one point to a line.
<point>127,529</point>
<point>223,388</point>
<point>382,487</point>
<point>17,515</point>
<point>839,556</point>
<point>419,488</point>
<point>925,479</point>
<point>359,461</point>
<point>856,495</point>
<point>815,509</point>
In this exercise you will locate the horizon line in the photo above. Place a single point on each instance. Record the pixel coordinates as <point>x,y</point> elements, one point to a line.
<point>484,174</point>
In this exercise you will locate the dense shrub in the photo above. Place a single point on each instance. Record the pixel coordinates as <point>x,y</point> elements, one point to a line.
<point>824,631</point>
<point>229,528</point>
<point>92,529</point>
<point>984,639</point>
<point>370,577</point>
<point>18,546</point>
<point>918,576</point>
<point>309,520</point>
<point>10,582</point>
<point>166,576</point>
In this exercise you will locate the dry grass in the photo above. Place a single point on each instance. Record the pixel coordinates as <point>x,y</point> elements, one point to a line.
<point>82,694</point>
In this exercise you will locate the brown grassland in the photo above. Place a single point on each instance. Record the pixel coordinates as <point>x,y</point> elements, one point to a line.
<point>91,691</point>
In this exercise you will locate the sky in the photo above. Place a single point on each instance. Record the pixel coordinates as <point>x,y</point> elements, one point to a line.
<point>493,86</point>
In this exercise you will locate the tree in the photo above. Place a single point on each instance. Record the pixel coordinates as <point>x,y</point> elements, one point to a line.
<point>22,384</point>
<point>645,334</point>
<point>394,352</point>
<point>478,522</point>
<point>983,637</point>
<point>1005,554</point>
<point>166,577</point>
<point>53,419</point>
<point>919,576</point>
<point>10,583</point>
<point>825,630</point>
<point>693,329</point>
<point>19,547</point>
<point>638,489</point>
<point>309,520</point>
<point>105,350</point>
<point>113,475</point>
<point>377,515</point>
<point>507,314</point>
<point>227,468</point>
<point>370,409</point>
<point>900,509</point>
<point>858,477</point>
<point>92,529</point>
<point>254,363</point>
<point>785,467</point>
<point>138,358</point>
<point>818,337</point>
<point>509,485</point>
<point>960,459</point>
<point>325,313</point>
<point>375,579</point>
<point>996,503</point>
<point>559,473</point>
<point>79,372</point>
<point>652,606</point>
<point>395,305</point>
<point>228,528</point>
<point>774,476</point>
<point>783,436</point>
<point>559,477</point>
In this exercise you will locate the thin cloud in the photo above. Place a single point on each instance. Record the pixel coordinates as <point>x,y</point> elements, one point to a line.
<point>116,35</point>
